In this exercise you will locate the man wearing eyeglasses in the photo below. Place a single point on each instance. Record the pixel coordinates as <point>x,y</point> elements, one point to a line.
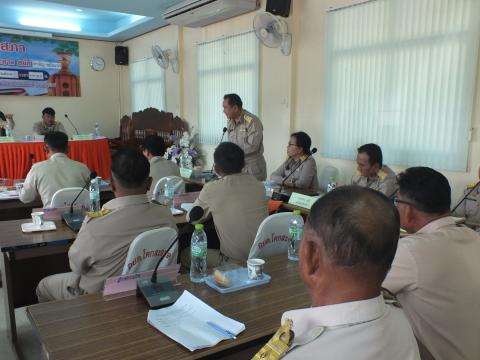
<point>436,271</point>
<point>58,172</point>
<point>371,173</point>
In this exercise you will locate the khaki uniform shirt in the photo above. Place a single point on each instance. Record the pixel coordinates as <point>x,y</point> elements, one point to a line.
<point>385,181</point>
<point>41,129</point>
<point>436,277</point>
<point>248,134</point>
<point>102,244</point>
<point>46,177</point>
<point>360,330</point>
<point>237,204</point>
<point>159,168</point>
<point>470,207</point>
<point>4,123</point>
<point>304,176</point>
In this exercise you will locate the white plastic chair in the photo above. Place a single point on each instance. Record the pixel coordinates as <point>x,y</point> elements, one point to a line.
<point>147,248</point>
<point>64,197</point>
<point>327,173</point>
<point>272,236</point>
<point>160,185</point>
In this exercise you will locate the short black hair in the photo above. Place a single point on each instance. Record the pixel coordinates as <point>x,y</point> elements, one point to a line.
<point>57,141</point>
<point>229,157</point>
<point>233,100</point>
<point>49,111</point>
<point>357,227</point>
<point>374,153</point>
<point>155,144</point>
<point>2,116</point>
<point>130,168</point>
<point>428,190</point>
<point>303,141</point>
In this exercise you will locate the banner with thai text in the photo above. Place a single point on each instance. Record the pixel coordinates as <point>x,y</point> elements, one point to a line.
<point>35,66</point>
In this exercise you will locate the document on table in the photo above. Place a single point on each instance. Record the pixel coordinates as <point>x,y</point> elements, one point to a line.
<point>193,323</point>
<point>9,195</point>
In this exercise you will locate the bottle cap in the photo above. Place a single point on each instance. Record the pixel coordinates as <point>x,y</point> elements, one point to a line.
<point>296,212</point>
<point>198,226</point>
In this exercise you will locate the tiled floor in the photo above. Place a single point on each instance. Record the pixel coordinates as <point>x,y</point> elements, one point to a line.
<point>28,340</point>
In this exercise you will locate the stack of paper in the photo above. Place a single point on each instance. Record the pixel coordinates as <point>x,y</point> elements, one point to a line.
<point>193,323</point>
<point>9,195</point>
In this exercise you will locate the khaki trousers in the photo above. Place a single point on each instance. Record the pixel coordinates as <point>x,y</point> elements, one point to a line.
<point>59,287</point>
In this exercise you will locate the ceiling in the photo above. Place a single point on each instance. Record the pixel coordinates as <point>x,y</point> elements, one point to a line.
<point>110,20</point>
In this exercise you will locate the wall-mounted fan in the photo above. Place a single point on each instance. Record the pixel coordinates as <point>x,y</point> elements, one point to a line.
<point>273,32</point>
<point>165,57</point>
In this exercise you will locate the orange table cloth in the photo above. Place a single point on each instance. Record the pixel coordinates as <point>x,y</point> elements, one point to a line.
<point>16,158</point>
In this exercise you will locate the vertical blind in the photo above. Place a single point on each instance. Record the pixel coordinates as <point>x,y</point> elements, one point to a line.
<point>401,73</point>
<point>226,65</point>
<point>147,85</point>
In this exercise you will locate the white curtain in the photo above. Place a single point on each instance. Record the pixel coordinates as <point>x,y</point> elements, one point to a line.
<point>226,65</point>
<point>401,73</point>
<point>147,85</point>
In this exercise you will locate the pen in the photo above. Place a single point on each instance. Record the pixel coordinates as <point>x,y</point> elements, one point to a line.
<point>221,330</point>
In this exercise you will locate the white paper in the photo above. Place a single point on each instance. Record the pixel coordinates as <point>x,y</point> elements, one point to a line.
<point>186,323</point>
<point>9,195</point>
<point>186,206</point>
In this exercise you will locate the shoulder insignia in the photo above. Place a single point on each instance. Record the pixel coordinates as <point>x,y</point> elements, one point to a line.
<point>381,174</point>
<point>247,118</point>
<point>100,213</point>
<point>278,345</point>
<point>470,185</point>
<point>303,157</point>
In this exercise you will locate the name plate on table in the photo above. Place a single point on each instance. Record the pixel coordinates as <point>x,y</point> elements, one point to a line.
<point>83,137</point>
<point>186,173</point>
<point>7,139</point>
<point>301,200</point>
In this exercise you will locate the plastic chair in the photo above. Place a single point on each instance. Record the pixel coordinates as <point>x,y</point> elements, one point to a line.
<point>160,185</point>
<point>147,248</point>
<point>64,197</point>
<point>327,173</point>
<point>272,236</point>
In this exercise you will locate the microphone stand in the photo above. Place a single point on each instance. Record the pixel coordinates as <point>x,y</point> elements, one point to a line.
<point>456,206</point>
<point>224,131</point>
<point>74,220</point>
<point>71,123</point>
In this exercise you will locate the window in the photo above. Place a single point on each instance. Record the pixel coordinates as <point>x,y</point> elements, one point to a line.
<point>147,85</point>
<point>226,65</point>
<point>401,73</point>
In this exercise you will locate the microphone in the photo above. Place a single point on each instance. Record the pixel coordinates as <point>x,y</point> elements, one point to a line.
<point>162,293</point>
<point>71,123</point>
<point>223,134</point>
<point>277,195</point>
<point>456,206</point>
<point>74,220</point>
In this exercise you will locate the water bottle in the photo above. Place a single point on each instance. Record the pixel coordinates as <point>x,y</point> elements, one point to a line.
<point>8,130</point>
<point>95,194</point>
<point>332,184</point>
<point>168,192</point>
<point>295,233</point>
<point>198,248</point>
<point>268,189</point>
<point>97,130</point>
<point>185,159</point>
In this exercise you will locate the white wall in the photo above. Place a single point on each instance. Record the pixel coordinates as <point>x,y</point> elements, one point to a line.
<point>99,100</point>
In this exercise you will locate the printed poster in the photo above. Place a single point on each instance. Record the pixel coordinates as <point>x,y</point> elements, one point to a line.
<point>34,66</point>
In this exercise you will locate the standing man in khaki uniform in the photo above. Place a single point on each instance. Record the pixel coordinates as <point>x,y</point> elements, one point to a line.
<point>153,149</point>
<point>246,130</point>
<point>101,246</point>
<point>237,204</point>
<point>48,123</point>
<point>6,120</point>
<point>58,172</point>
<point>371,173</point>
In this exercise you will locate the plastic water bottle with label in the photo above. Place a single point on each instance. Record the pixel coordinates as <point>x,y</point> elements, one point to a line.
<point>198,248</point>
<point>95,194</point>
<point>295,233</point>
<point>97,130</point>
<point>332,184</point>
<point>268,188</point>
<point>168,193</point>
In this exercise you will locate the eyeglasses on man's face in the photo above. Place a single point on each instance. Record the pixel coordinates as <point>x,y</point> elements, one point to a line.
<point>397,201</point>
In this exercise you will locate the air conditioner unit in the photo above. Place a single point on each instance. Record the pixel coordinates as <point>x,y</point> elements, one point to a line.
<point>198,13</point>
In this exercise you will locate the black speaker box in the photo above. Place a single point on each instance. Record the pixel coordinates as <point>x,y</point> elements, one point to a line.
<point>278,7</point>
<point>121,55</point>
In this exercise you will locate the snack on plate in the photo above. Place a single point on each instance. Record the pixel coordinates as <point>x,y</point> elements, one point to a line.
<point>221,279</point>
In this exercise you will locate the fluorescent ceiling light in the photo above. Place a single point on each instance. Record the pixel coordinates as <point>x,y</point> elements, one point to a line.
<point>49,24</point>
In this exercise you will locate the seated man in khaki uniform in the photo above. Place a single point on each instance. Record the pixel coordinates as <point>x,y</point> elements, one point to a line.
<point>470,206</point>
<point>6,121</point>
<point>237,204</point>
<point>435,273</point>
<point>48,123</point>
<point>102,244</point>
<point>58,172</point>
<point>246,130</point>
<point>153,148</point>
<point>371,172</point>
<point>347,249</point>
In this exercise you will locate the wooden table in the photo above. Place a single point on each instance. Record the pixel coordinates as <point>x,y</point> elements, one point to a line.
<point>26,258</point>
<point>91,328</point>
